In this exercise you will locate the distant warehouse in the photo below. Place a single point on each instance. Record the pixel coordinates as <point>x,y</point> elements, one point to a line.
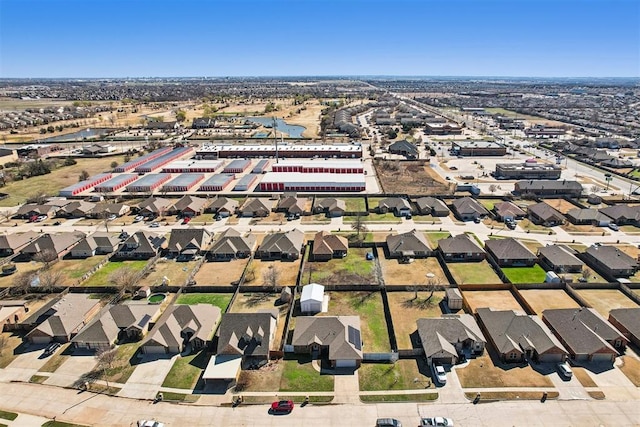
<point>548,188</point>
<point>163,159</point>
<point>183,182</point>
<point>237,166</point>
<point>85,185</point>
<point>116,183</point>
<point>148,183</point>
<point>193,166</point>
<point>261,166</point>
<point>477,148</point>
<point>319,166</point>
<point>245,183</point>
<point>284,151</point>
<point>217,182</point>
<point>316,182</point>
<point>129,166</point>
<point>527,170</point>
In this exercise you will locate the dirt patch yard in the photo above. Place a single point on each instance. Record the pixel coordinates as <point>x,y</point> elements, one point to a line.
<point>412,177</point>
<point>220,273</point>
<point>604,300</point>
<point>288,271</point>
<point>406,310</point>
<point>498,300</point>
<point>560,205</point>
<point>544,299</point>
<point>414,273</point>
<point>485,372</point>
<point>175,272</point>
<point>254,301</point>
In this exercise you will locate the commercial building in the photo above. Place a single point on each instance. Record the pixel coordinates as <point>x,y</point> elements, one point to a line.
<point>477,148</point>
<point>316,182</point>
<point>319,166</point>
<point>131,165</point>
<point>246,182</point>
<point>85,185</point>
<point>162,160</point>
<point>183,182</point>
<point>548,188</point>
<point>442,129</point>
<point>149,183</point>
<point>237,166</point>
<point>116,183</point>
<point>527,170</point>
<point>193,166</point>
<point>283,151</point>
<point>217,182</point>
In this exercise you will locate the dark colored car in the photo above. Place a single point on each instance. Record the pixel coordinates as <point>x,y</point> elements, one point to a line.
<point>388,422</point>
<point>51,348</point>
<point>282,406</point>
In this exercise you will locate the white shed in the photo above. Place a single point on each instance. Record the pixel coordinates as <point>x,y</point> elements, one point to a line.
<point>311,298</point>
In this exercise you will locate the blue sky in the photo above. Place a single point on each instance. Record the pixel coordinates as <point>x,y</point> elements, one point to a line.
<point>139,38</point>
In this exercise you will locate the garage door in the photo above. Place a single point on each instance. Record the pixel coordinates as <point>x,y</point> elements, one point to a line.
<point>442,360</point>
<point>154,349</point>
<point>602,357</point>
<point>40,340</point>
<point>345,363</point>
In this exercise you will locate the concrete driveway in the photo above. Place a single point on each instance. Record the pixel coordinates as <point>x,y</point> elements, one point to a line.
<point>615,384</point>
<point>72,369</point>
<point>25,365</point>
<point>568,389</point>
<point>147,378</point>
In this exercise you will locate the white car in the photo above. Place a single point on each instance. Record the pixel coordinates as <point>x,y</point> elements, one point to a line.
<point>440,374</point>
<point>154,225</point>
<point>436,421</point>
<point>150,423</point>
<point>565,370</point>
<point>138,218</point>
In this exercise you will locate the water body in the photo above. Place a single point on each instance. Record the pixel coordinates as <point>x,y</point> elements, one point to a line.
<point>76,136</point>
<point>294,131</point>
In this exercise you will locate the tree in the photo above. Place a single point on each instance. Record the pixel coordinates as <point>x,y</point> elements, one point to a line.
<point>125,279</point>
<point>181,115</point>
<point>22,282</point>
<point>114,164</point>
<point>84,175</point>
<point>106,359</point>
<point>250,274</point>
<point>271,277</point>
<point>586,273</point>
<point>50,279</point>
<point>46,256</point>
<point>595,188</point>
<point>359,226</point>
<point>493,188</point>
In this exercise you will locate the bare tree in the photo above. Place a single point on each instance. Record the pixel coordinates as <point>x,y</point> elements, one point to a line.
<point>22,282</point>
<point>125,279</point>
<point>493,188</point>
<point>586,273</point>
<point>47,256</point>
<point>271,276</point>
<point>50,279</point>
<point>359,226</point>
<point>415,289</point>
<point>595,188</point>
<point>250,275</point>
<point>106,359</point>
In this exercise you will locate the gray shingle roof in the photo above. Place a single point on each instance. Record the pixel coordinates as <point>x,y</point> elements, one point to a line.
<point>508,248</point>
<point>612,257</point>
<point>469,206</point>
<point>412,241</point>
<point>461,243</point>
<point>545,212</point>
<point>232,242</point>
<point>560,255</point>
<point>247,334</point>
<point>438,334</point>
<point>329,331</point>
<point>629,318</point>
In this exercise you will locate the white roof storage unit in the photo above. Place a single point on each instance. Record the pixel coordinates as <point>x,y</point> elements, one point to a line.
<point>245,183</point>
<point>262,166</point>
<point>217,182</point>
<point>81,186</point>
<point>149,183</point>
<point>183,182</point>
<point>193,166</point>
<point>312,298</point>
<point>116,183</point>
<point>312,182</point>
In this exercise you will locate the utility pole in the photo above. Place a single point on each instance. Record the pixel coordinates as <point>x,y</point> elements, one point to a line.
<point>275,135</point>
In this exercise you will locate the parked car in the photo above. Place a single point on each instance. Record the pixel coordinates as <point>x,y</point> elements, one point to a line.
<point>124,235</point>
<point>477,220</point>
<point>436,421</point>
<point>439,373</point>
<point>41,218</point>
<point>138,218</point>
<point>51,348</point>
<point>150,423</point>
<point>154,225</point>
<point>186,219</point>
<point>388,422</point>
<point>613,226</point>
<point>282,406</point>
<point>112,217</point>
<point>565,370</point>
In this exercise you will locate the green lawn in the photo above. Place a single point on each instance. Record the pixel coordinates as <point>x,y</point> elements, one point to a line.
<point>101,277</point>
<point>533,274</point>
<point>392,376</point>
<point>433,237</point>
<point>374,218</point>
<point>74,269</point>
<point>473,273</point>
<point>219,300</point>
<point>354,268</point>
<point>122,368</point>
<point>186,370</point>
<point>60,424</point>
<point>354,204</point>
<point>422,397</point>
<point>299,375</point>
<point>5,415</point>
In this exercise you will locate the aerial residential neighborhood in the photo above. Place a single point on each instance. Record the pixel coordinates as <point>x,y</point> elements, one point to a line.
<point>353,238</point>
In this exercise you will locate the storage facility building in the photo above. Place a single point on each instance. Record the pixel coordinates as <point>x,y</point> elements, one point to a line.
<point>193,166</point>
<point>237,166</point>
<point>116,183</point>
<point>262,166</point>
<point>284,151</point>
<point>183,182</point>
<point>320,166</point>
<point>149,183</point>
<point>162,160</point>
<point>246,182</point>
<point>217,182</point>
<point>298,181</point>
<point>129,166</point>
<point>81,186</point>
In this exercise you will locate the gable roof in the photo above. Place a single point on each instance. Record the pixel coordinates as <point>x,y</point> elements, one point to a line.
<point>612,257</point>
<point>66,315</point>
<point>289,202</point>
<point>286,242</point>
<point>95,240</point>
<point>461,243</point>
<point>545,212</point>
<point>560,255</point>
<point>16,240</point>
<point>340,333</point>
<point>232,241</point>
<point>394,203</point>
<point>196,204</point>
<point>332,204</point>
<point>105,329</point>
<point>312,291</point>
<point>56,243</point>
<point>78,205</point>
<point>431,202</point>
<point>629,318</point>
<point>503,209</point>
<point>587,214</point>
<point>438,334</point>
<point>193,239</point>
<point>325,243</point>
<point>256,204</point>
<point>469,206</point>
<point>508,248</point>
<point>517,331</point>
<point>247,334</point>
<point>223,202</point>
<point>622,212</point>
<point>201,319</point>
<point>410,242</point>
<point>156,204</point>
<point>143,242</point>
<point>405,146</point>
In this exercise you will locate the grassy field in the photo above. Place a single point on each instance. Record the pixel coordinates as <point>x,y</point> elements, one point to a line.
<point>315,219</point>
<point>186,371</point>
<point>535,274</point>
<point>122,368</point>
<point>415,273</point>
<point>396,376</point>
<point>365,237</point>
<point>220,273</point>
<point>384,398</point>
<point>388,218</point>
<point>434,236</point>
<point>473,273</point>
<point>219,300</point>
<point>176,272</point>
<point>288,271</point>
<point>367,305</point>
<point>604,300</point>
<point>583,377</point>
<point>352,269</point>
<point>355,204</point>
<point>101,277</point>
<point>6,415</point>
<point>299,375</point>
<point>56,360</point>
<point>6,353</point>
<point>51,183</point>
<point>73,269</point>
<point>483,373</point>
<point>498,300</point>
<point>546,299</point>
<point>405,311</point>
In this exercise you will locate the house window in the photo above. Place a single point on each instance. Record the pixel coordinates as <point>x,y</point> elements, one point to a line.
<point>512,356</point>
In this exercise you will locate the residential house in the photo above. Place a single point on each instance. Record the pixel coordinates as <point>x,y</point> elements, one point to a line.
<point>517,337</point>
<point>397,205</point>
<point>627,321</point>
<point>123,322</point>
<point>610,261</point>
<point>283,245</point>
<point>141,245</point>
<point>312,298</point>
<point>461,248</point>
<point>157,206</point>
<point>12,243</point>
<point>11,313</point>
<point>188,242</point>
<point>327,246</point>
<point>623,214</point>
<point>469,209</point>
<point>52,246</point>
<point>336,338</point>
<point>181,327</point>
<point>98,243</point>
<point>585,334</point>
<point>291,205</point>
<point>248,335</point>
<point>189,206</point>
<point>506,211</point>
<point>560,258</point>
<point>223,206</point>
<point>231,245</point>
<point>589,216</point>
<point>543,214</point>
<point>29,210</point>
<point>510,252</point>
<point>450,339</point>
<point>432,206</point>
<point>62,319</point>
<point>256,207</point>
<point>331,207</point>
<point>404,148</point>
<point>105,210</point>
<point>541,187</point>
<point>412,244</point>
<point>76,209</point>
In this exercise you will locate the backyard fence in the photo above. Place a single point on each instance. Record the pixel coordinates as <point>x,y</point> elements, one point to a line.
<point>391,357</point>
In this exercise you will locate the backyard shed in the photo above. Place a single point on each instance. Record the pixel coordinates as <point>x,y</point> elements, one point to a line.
<point>311,298</point>
<point>454,299</point>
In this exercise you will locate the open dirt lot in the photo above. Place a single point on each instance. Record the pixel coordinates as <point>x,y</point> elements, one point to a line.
<point>415,273</point>
<point>604,300</point>
<point>175,272</point>
<point>498,300</point>
<point>405,311</point>
<point>252,302</point>
<point>220,273</point>
<point>543,299</point>
<point>288,271</point>
<point>412,177</point>
<point>473,273</point>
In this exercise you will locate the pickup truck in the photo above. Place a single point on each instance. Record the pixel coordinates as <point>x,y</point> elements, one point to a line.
<point>436,421</point>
